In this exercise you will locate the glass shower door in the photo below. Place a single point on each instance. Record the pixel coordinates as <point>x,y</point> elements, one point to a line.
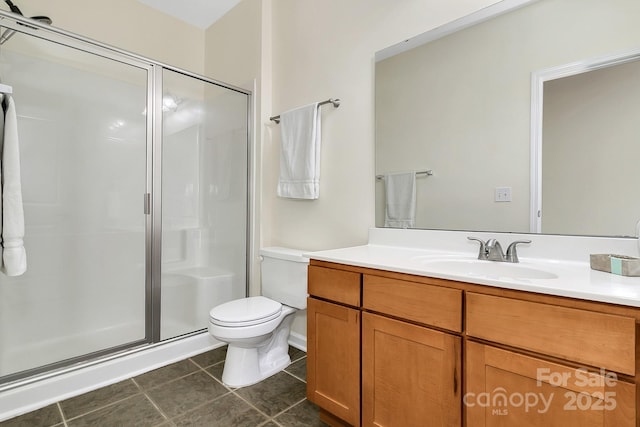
<point>83,141</point>
<point>204,200</point>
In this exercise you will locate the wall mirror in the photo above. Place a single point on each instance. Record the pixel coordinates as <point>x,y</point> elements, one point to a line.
<point>538,98</point>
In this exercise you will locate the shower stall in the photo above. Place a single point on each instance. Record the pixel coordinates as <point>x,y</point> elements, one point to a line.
<point>135,192</point>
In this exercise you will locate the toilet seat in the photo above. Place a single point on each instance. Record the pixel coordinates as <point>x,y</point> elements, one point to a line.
<point>245,312</point>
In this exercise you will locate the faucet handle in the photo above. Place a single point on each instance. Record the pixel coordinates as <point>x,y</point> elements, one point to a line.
<point>483,248</point>
<point>512,254</point>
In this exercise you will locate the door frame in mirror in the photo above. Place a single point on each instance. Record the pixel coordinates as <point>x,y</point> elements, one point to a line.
<point>538,79</point>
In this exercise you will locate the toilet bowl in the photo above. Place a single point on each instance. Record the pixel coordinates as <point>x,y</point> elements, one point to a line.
<point>257,328</point>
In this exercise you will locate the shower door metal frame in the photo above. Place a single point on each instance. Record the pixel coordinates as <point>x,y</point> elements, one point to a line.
<point>151,200</point>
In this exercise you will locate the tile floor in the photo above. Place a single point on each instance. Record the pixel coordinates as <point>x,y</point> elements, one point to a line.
<point>187,393</point>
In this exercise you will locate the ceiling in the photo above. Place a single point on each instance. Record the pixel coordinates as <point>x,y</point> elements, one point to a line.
<point>199,13</point>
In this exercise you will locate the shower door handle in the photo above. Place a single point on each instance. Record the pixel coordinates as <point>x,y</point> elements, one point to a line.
<point>147,203</point>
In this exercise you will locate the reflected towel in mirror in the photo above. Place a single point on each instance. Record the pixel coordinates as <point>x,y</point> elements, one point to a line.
<point>400,199</point>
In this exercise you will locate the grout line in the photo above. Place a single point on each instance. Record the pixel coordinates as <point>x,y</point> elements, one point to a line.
<point>189,359</point>
<point>290,407</point>
<point>156,406</point>
<point>295,376</point>
<point>204,368</point>
<point>145,393</point>
<point>251,405</point>
<point>299,358</point>
<point>143,389</point>
<point>195,408</point>
<point>64,419</point>
<point>155,386</point>
<point>137,385</point>
<point>208,366</point>
<point>217,380</point>
<point>102,407</point>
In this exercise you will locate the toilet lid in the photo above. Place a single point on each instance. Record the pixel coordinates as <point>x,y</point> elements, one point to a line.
<point>245,312</point>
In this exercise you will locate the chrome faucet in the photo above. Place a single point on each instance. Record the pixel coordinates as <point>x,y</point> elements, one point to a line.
<point>491,250</point>
<point>494,250</point>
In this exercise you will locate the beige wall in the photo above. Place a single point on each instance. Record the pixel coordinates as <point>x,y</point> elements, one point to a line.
<point>126,24</point>
<point>324,49</point>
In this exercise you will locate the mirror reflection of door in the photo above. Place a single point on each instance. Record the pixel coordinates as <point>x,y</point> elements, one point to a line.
<point>589,150</point>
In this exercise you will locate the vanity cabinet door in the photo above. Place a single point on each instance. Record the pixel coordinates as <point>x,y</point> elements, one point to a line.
<point>586,337</point>
<point>333,359</point>
<point>410,374</point>
<point>505,388</point>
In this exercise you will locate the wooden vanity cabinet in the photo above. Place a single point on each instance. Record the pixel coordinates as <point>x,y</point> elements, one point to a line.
<point>586,337</point>
<point>410,374</point>
<point>392,349</point>
<point>373,355</point>
<point>333,359</point>
<point>576,380</point>
<point>333,344</point>
<point>508,388</point>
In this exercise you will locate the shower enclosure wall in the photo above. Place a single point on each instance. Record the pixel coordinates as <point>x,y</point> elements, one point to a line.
<point>135,189</point>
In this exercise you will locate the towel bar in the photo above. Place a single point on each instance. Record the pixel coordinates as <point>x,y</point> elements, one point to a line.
<point>334,101</point>
<point>428,172</point>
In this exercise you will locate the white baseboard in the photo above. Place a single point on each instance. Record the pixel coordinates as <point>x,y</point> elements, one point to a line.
<point>298,341</point>
<point>41,393</point>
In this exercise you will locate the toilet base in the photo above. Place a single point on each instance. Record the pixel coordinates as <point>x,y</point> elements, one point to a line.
<point>242,367</point>
<point>247,366</point>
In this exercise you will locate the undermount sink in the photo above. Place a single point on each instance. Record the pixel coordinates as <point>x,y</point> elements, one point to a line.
<point>481,268</point>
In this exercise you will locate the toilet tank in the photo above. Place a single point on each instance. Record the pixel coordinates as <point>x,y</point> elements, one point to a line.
<point>284,276</point>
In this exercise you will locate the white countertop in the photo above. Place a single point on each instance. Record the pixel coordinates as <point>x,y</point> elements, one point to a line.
<point>575,278</point>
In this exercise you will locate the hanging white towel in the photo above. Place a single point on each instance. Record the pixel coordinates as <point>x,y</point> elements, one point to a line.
<point>300,153</point>
<point>14,257</point>
<point>401,200</point>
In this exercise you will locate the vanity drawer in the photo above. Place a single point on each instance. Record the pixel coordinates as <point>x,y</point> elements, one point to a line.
<point>596,339</point>
<point>430,305</point>
<point>335,285</point>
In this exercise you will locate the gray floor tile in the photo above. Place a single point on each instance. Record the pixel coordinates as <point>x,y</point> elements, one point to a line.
<point>45,417</point>
<point>298,368</point>
<point>227,411</point>
<point>211,357</point>
<point>135,411</point>
<point>165,374</point>
<point>216,370</point>
<point>184,394</point>
<point>303,414</point>
<point>190,397</point>
<point>295,354</point>
<point>93,400</point>
<point>275,394</point>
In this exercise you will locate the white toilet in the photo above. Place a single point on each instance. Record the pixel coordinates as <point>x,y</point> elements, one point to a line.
<point>257,328</point>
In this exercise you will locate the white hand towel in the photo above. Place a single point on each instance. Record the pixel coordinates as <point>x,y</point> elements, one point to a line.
<point>14,257</point>
<point>300,153</point>
<point>401,200</point>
